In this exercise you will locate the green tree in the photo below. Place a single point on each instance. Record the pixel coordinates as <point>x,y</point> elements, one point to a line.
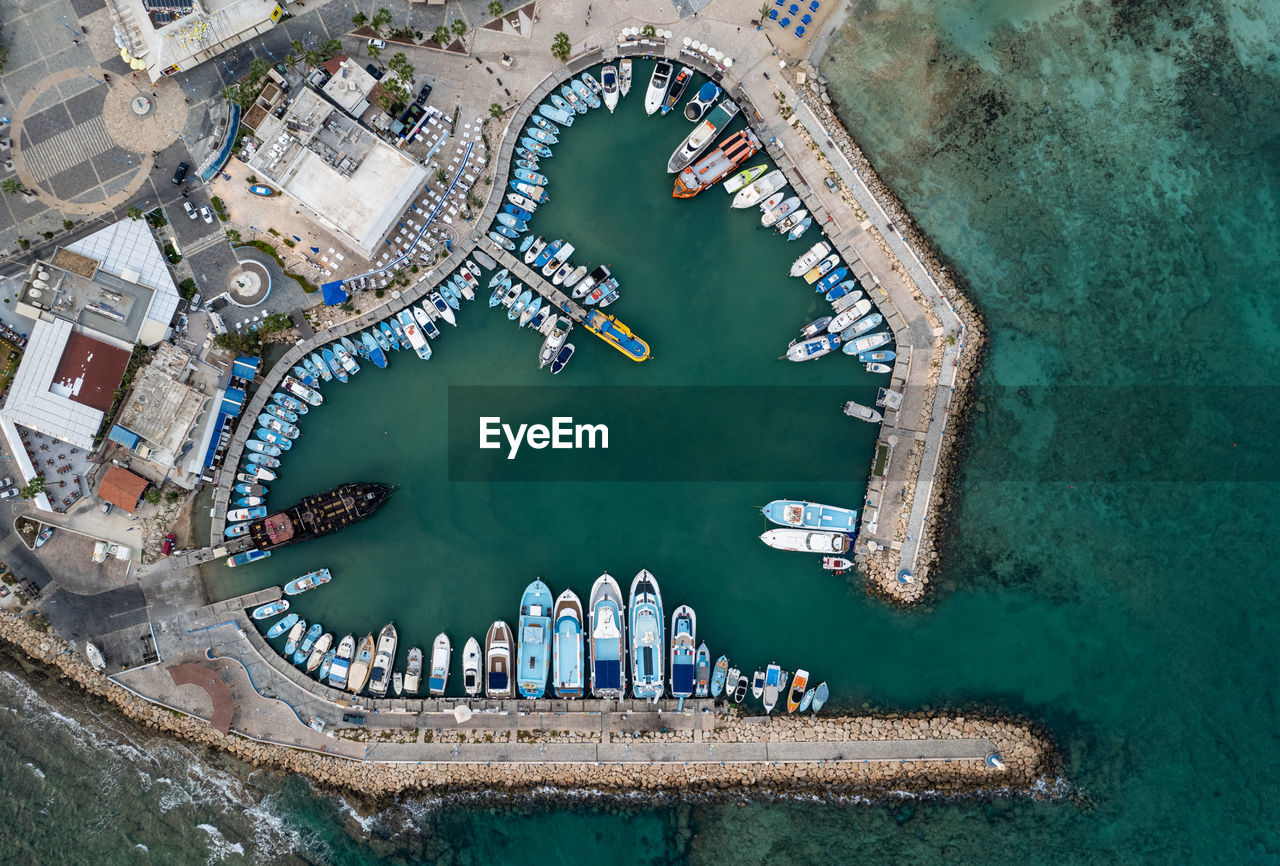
<point>33,488</point>
<point>459,27</point>
<point>331,48</point>
<point>297,47</point>
<point>381,18</point>
<point>560,47</point>
<point>375,52</point>
<point>12,186</point>
<point>359,19</point>
<point>441,36</point>
<point>312,58</point>
<point>495,8</point>
<point>152,496</point>
<point>442,176</point>
<point>134,213</point>
<point>400,65</point>
<point>496,111</point>
<point>68,225</point>
<point>649,31</point>
<point>474,200</point>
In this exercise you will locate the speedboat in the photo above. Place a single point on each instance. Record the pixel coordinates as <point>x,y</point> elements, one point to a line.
<point>535,640</point>
<point>497,661</point>
<point>731,684</point>
<point>809,258</point>
<point>798,686</point>
<point>830,280</point>
<point>561,273</point>
<point>574,276</point>
<point>837,564</point>
<point>678,84</point>
<point>701,102</point>
<point>873,367</point>
<point>862,325</point>
<point>810,515</point>
<point>358,674</point>
<point>342,662</point>
<point>530,310</point>
<point>711,169</point>
<point>658,83</point>
<point>809,350</point>
<point>718,675</point>
<point>624,76</point>
<point>318,652</point>
<point>469,279</point>
<point>608,639</point>
<point>442,308</point>
<point>772,679</point>
<point>535,250</point>
<point>822,268</point>
<point>684,634</point>
<point>242,502</point>
<point>740,692</point>
<point>647,646</point>
<point>413,671</point>
<point>519,212</point>
<point>255,513</point>
<point>282,626</point>
<point>512,294</point>
<point>754,193</point>
<point>295,637</point>
<point>384,661</point>
<point>518,307</point>
<point>562,358</point>
<point>783,226</point>
<point>568,678</point>
<point>849,316</point>
<point>471,665</point>
<point>744,177</point>
<point>558,258</point>
<point>522,202</point>
<point>422,315</point>
<point>308,581</point>
<point>540,317</point>
<point>545,255</point>
<point>441,655</point>
<point>609,77</point>
<point>862,413</point>
<point>773,214</point>
<point>702,136</point>
<point>551,345</point>
<point>702,671</point>
<point>598,275</point>
<point>807,541</point>
<point>270,609</point>
<point>820,695</point>
<point>757,685</point>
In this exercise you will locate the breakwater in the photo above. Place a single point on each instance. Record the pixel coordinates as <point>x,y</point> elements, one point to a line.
<point>1027,764</point>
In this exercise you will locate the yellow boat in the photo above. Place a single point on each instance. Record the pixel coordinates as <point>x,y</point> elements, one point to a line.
<point>617,335</point>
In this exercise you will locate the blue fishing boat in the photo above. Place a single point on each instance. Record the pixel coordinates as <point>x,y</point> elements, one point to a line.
<point>321,368</point>
<point>820,695</point>
<point>530,163</point>
<point>878,355</point>
<point>532,177</point>
<point>684,635</point>
<point>295,388</point>
<point>296,634</point>
<point>861,326</point>
<point>506,231</point>
<point>280,412</point>
<point>304,648</point>
<point>248,501</point>
<point>247,557</point>
<point>262,447</point>
<point>584,93</point>
<point>293,404</point>
<point>326,664</point>
<point>300,373</point>
<point>568,667</point>
<point>520,214</point>
<point>534,640</point>
<point>250,489</point>
<point>334,364</point>
<point>542,135</point>
<point>578,104</point>
<point>810,515</point>
<point>867,343</point>
<point>276,425</point>
<point>500,291</point>
<point>564,105</point>
<point>414,332</point>
<point>550,112</point>
<point>351,349</point>
<point>283,625</point>
<point>384,342</point>
<point>235,530</point>
<point>798,230</point>
<point>257,512</point>
<point>535,194</point>
<point>647,680</point>
<point>271,437</point>
<point>401,338</point>
<point>547,253</point>
<point>608,639</point>
<point>376,355</point>
<point>389,336</point>
<point>543,123</point>
<point>518,307</point>
<point>830,280</point>
<point>841,290</point>
<point>271,608</point>
<point>504,242</point>
<point>308,581</point>
<point>263,460</point>
<point>718,676</point>
<point>262,190</point>
<point>535,147</point>
<point>310,367</point>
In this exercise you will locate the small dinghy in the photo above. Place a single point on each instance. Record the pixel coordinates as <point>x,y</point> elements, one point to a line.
<point>757,685</point>
<point>740,693</point>
<point>731,683</point>
<point>820,695</point>
<point>838,564</point>
<point>816,327</point>
<point>873,367</point>
<point>397,682</point>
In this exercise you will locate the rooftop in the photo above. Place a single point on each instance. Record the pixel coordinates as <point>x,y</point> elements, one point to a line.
<point>89,371</point>
<point>122,488</point>
<point>163,407</point>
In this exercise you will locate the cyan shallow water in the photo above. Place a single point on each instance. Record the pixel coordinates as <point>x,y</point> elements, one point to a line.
<point>1105,178</point>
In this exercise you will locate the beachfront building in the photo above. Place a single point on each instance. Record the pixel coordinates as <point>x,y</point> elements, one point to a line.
<point>163,37</point>
<point>315,149</point>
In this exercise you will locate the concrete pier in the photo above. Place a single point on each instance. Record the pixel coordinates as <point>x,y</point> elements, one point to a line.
<point>532,279</point>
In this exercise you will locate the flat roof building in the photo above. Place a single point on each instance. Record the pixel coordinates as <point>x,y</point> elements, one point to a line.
<point>162,414</point>
<point>350,179</point>
<point>168,36</point>
<point>121,488</point>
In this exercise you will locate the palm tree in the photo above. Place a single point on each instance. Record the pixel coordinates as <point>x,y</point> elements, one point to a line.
<point>374,51</point>
<point>496,111</point>
<point>495,8</point>
<point>359,19</point>
<point>442,176</point>
<point>474,200</point>
<point>764,15</point>
<point>441,36</point>
<point>134,213</point>
<point>12,186</point>
<point>460,27</point>
<point>560,47</point>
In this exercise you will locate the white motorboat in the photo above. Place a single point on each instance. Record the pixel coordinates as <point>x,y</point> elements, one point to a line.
<point>761,189</point>
<point>497,655</point>
<point>94,655</point>
<point>441,654</point>
<point>551,345</point>
<point>862,413</point>
<point>807,541</point>
<point>658,85</point>
<point>771,216</point>
<point>624,76</point>
<point>413,671</point>
<point>383,661</point>
<point>849,316</point>
<point>815,254</point>
<point>471,667</point>
<point>609,82</point>
<point>702,136</point>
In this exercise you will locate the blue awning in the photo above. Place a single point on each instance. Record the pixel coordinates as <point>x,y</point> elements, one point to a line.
<point>246,367</point>
<point>232,402</point>
<point>333,293</point>
<point>218,424</point>
<point>124,436</point>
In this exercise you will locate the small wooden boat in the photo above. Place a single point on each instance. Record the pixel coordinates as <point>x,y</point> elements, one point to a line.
<point>308,581</point>
<point>282,626</point>
<point>702,671</point>
<point>319,651</point>
<point>397,682</point>
<point>874,367</point>
<point>260,189</point>
<point>740,693</point>
<point>295,636</point>
<point>806,701</point>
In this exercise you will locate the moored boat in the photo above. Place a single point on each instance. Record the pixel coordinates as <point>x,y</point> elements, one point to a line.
<point>585,93</point>
<point>416,340</point>
<point>442,308</point>
<point>360,668</point>
<point>497,661</point>
<point>702,136</point>
<point>238,514</point>
<point>710,170</point>
<point>810,515</point>
<point>270,609</point>
<point>809,258</point>
<point>504,242</point>
<point>848,316</point>
<point>757,685</point>
<point>816,327</point>
<point>731,685</point>
<point>823,267</point>
<point>246,557</point>
<point>384,661</point>
<point>701,102</point>
<point>308,581</point>
<point>558,258</point>
<point>718,676</point>
<point>772,686</point>
<point>608,639</point>
<point>658,83</point>
<point>801,226</point>
<point>838,564</point>
<point>735,184</point>
<point>534,640</point>
<point>551,345</point>
<point>806,701</point>
<point>518,307</point>
<point>806,541</point>
<point>862,413</point>
<point>235,530</point>
<point>798,686</point>
<point>867,342</point>
<point>568,675</point>
<point>373,350</point>
<point>616,334</point>
<point>820,695</point>
<point>295,636</point>
<point>319,651</point>
<point>441,655</point>
<point>754,193</point>
<point>550,112</point>
<point>740,692</point>
<point>808,350</point>
<point>702,671</point>
<point>562,358</point>
<point>773,214</point>
<point>282,626</point>
<point>471,667</point>
<point>830,280</point>
<point>676,90</point>
<point>684,634</point>
<point>878,355</point>
<point>413,671</point>
<point>341,662</point>
<point>647,647</point>
<point>609,84</point>
<point>624,76</point>
<point>875,367</point>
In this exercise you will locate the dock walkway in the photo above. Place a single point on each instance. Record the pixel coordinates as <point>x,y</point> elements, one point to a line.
<point>533,280</point>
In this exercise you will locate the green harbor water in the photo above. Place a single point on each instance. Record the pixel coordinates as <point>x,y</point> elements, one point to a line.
<point>1105,177</point>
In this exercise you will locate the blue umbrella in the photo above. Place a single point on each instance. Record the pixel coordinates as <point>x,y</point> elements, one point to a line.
<point>793,9</point>
<point>784,23</point>
<point>808,19</point>
<point>813,7</point>
<point>800,30</point>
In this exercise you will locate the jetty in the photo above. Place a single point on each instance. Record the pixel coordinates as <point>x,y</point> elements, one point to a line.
<point>532,279</point>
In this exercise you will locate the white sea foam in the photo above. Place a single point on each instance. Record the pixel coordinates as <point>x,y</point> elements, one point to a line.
<point>36,771</point>
<point>219,847</point>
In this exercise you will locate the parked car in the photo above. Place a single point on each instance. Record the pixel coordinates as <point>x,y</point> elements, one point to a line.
<point>180,172</point>
<point>353,719</point>
<point>167,547</point>
<point>374,71</point>
<point>421,98</point>
<point>377,43</point>
<point>831,184</point>
<point>191,212</point>
<point>195,301</point>
<point>206,214</point>
<point>6,482</point>
<point>106,508</point>
<point>9,494</point>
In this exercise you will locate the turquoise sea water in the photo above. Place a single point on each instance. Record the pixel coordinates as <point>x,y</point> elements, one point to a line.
<point>1105,178</point>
